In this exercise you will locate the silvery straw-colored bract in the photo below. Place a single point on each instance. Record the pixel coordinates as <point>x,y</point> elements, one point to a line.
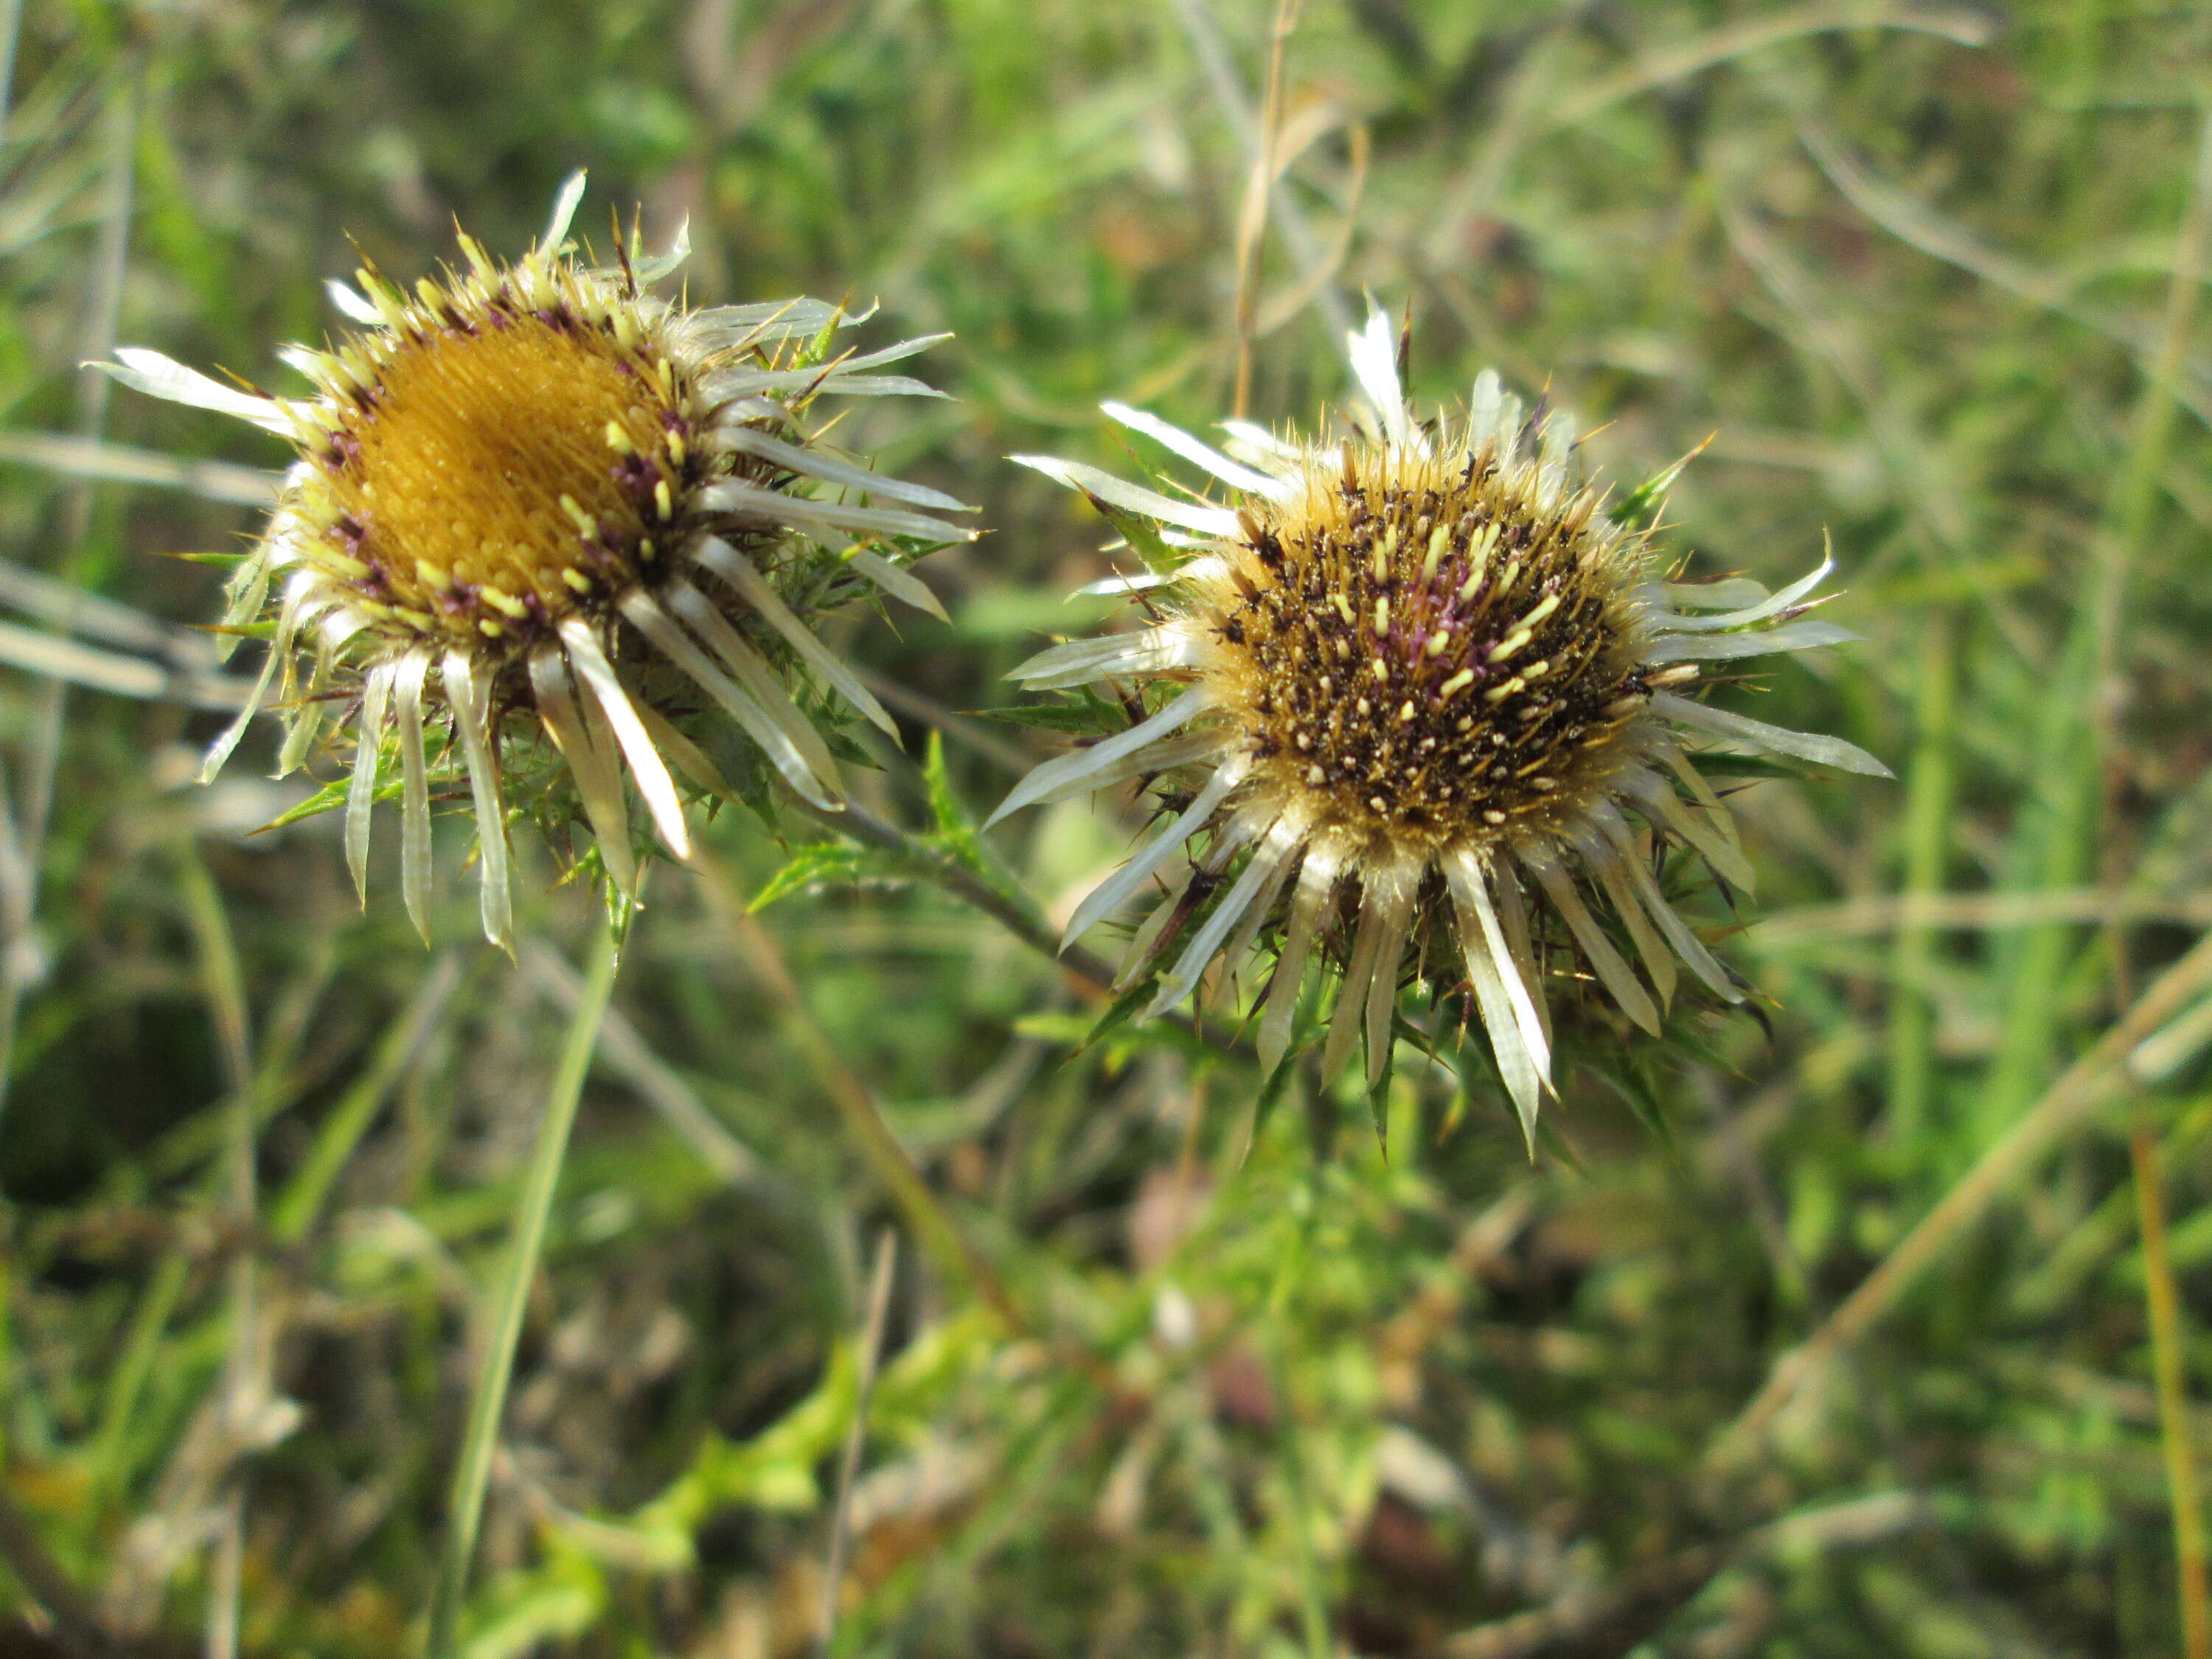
<point>519,491</point>
<point>1421,683</point>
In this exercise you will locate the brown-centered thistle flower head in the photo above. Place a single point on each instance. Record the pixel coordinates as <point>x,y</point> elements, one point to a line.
<point>1422,672</point>
<point>1479,635</point>
<point>525,493</point>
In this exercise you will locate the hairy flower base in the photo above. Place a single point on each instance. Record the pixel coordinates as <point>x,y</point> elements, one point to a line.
<point>1423,677</point>
<point>523,486</point>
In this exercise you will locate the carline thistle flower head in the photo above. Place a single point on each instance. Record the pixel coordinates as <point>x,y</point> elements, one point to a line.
<point>534,495</point>
<point>1419,673</point>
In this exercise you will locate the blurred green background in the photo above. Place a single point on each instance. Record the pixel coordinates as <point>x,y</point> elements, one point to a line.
<point>1924,276</point>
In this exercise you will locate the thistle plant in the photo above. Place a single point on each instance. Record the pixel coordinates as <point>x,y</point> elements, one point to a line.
<point>535,499</point>
<point>1405,687</point>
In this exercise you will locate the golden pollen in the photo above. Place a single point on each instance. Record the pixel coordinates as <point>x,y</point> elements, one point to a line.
<point>1498,616</point>
<point>499,474</point>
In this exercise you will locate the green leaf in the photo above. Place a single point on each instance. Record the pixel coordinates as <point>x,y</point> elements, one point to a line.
<point>1378,1099</point>
<point>327,798</point>
<point>1648,497</point>
<point>1119,1012</point>
<point>1143,538</point>
<point>1270,1092</point>
<point>955,836</point>
<point>954,826</point>
<point>1073,1029</point>
<point>1714,764</point>
<point>1407,1031</point>
<point>531,1611</point>
<point>1078,720</point>
<point>818,864</point>
<point>1629,1080</point>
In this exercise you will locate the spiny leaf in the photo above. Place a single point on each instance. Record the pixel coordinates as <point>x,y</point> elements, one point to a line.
<point>954,826</point>
<point>822,863</point>
<point>1086,719</point>
<point>1143,538</point>
<point>955,836</point>
<point>1650,495</point>
<point>1271,1093</point>
<point>1118,1013</point>
<point>327,798</point>
<point>1628,1079</point>
<point>1713,763</point>
<point>1378,1100</point>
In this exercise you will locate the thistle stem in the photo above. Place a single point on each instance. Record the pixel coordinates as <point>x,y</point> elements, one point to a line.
<point>489,1404</point>
<point>1024,923</point>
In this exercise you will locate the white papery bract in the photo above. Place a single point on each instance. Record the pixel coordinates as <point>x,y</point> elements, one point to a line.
<point>1423,682</point>
<point>522,493</point>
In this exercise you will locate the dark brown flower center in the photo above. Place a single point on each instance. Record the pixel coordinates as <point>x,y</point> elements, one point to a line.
<point>1434,656</point>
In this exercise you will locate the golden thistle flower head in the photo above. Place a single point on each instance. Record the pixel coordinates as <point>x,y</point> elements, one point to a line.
<point>1426,676</point>
<point>530,497</point>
